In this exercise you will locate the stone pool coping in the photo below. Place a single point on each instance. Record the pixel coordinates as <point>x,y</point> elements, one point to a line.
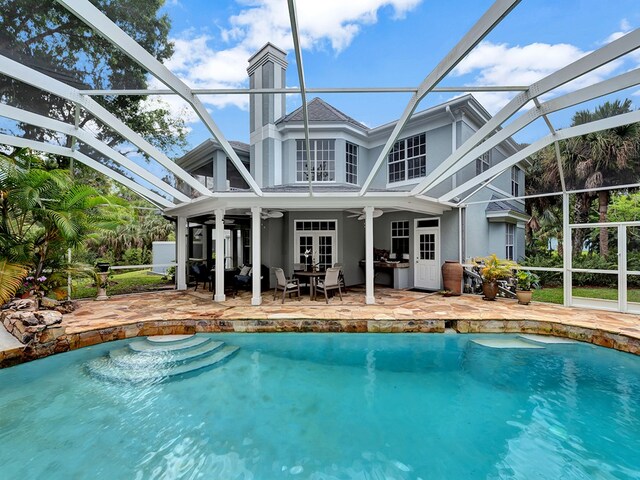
<point>171,313</point>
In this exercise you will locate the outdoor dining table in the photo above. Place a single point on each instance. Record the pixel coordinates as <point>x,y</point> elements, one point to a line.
<point>313,278</point>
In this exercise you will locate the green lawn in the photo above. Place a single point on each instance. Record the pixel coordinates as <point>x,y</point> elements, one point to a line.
<point>119,283</point>
<point>554,295</point>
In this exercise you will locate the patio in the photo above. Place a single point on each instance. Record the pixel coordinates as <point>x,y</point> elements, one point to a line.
<point>394,311</point>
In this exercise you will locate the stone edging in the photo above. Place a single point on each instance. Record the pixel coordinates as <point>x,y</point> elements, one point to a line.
<point>73,341</point>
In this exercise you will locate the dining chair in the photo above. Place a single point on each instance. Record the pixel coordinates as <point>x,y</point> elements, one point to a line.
<point>287,286</point>
<point>331,282</point>
<point>341,275</point>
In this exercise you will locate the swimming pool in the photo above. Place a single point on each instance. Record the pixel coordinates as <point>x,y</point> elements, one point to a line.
<point>324,406</point>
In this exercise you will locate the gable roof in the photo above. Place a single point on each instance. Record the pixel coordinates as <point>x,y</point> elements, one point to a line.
<point>321,111</point>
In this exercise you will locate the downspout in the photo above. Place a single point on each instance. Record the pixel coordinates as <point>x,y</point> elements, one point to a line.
<point>454,146</point>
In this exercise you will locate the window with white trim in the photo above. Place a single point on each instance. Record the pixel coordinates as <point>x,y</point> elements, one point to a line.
<point>408,159</point>
<point>323,161</point>
<point>351,163</point>
<point>510,240</point>
<point>400,238</point>
<point>483,162</point>
<point>515,181</point>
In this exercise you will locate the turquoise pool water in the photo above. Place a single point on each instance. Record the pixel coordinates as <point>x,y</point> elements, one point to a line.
<point>333,406</point>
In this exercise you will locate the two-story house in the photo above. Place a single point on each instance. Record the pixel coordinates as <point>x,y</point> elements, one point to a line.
<point>312,207</point>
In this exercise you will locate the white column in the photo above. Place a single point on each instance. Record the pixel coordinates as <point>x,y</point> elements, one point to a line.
<point>181,253</point>
<point>460,239</point>
<point>255,255</point>
<point>370,298</point>
<point>622,268</point>
<point>219,295</point>
<point>566,250</point>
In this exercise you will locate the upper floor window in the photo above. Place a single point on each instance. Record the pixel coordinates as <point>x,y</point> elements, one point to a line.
<point>351,163</point>
<point>510,240</point>
<point>483,162</point>
<point>408,159</point>
<point>515,181</point>
<point>323,161</point>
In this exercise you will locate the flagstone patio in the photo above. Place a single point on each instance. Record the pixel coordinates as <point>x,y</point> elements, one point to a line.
<point>172,312</point>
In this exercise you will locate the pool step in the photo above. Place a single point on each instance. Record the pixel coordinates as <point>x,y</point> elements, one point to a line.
<point>127,357</point>
<point>149,362</point>
<point>151,346</point>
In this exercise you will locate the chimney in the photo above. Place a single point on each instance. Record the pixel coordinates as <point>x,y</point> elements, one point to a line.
<point>267,69</point>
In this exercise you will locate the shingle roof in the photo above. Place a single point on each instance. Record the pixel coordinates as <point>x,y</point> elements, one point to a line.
<point>321,111</point>
<point>502,206</point>
<point>239,145</point>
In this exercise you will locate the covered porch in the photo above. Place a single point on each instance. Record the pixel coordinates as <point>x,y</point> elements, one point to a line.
<point>299,229</point>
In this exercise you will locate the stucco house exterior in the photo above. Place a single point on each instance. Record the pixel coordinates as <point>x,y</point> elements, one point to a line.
<point>317,211</point>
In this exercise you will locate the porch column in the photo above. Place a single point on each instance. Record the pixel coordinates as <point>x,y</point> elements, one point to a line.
<point>219,281</point>
<point>370,298</point>
<point>256,248</point>
<point>566,250</point>
<point>181,253</point>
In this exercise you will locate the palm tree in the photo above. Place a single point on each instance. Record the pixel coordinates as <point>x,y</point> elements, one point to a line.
<point>607,157</point>
<point>44,212</point>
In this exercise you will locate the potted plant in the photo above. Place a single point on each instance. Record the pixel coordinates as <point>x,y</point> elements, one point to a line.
<point>526,280</point>
<point>494,269</point>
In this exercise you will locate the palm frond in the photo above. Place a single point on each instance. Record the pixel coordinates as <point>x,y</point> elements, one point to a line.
<point>11,275</point>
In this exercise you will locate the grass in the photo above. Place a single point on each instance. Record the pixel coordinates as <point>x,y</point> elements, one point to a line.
<point>555,295</point>
<point>119,283</point>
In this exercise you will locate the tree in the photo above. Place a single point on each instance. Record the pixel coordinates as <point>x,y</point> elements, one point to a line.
<point>607,157</point>
<point>44,212</point>
<point>591,161</point>
<point>45,36</point>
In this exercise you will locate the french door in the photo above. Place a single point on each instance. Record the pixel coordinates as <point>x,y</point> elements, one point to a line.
<point>315,243</point>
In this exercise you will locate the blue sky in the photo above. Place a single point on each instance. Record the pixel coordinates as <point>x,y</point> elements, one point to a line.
<point>388,43</point>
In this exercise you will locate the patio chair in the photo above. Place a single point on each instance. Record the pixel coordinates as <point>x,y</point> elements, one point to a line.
<point>201,273</point>
<point>331,282</point>
<point>301,267</point>
<point>287,286</point>
<point>341,275</point>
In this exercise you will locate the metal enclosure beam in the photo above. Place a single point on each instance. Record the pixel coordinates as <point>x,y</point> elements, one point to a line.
<point>145,193</point>
<point>93,17</point>
<point>600,89</point>
<point>606,54</point>
<point>292,90</point>
<point>585,128</point>
<point>305,111</point>
<point>487,22</point>
<point>85,137</point>
<point>36,79</point>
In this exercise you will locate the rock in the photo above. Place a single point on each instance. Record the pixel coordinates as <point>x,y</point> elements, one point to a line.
<point>49,317</point>
<point>48,303</point>
<point>21,304</point>
<point>67,306</point>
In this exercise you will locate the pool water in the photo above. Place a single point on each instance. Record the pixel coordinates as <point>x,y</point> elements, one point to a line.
<point>327,406</point>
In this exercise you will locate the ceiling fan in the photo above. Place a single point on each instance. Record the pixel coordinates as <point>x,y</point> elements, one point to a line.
<point>226,221</point>
<point>361,215</point>
<point>267,214</point>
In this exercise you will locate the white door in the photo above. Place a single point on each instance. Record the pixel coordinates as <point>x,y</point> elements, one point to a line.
<point>427,258</point>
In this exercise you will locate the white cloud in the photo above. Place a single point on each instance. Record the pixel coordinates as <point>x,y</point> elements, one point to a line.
<point>502,64</point>
<point>327,23</point>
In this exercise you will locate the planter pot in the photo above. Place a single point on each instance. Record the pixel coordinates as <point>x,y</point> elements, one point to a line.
<point>452,277</point>
<point>102,267</point>
<point>524,296</point>
<point>490,290</point>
